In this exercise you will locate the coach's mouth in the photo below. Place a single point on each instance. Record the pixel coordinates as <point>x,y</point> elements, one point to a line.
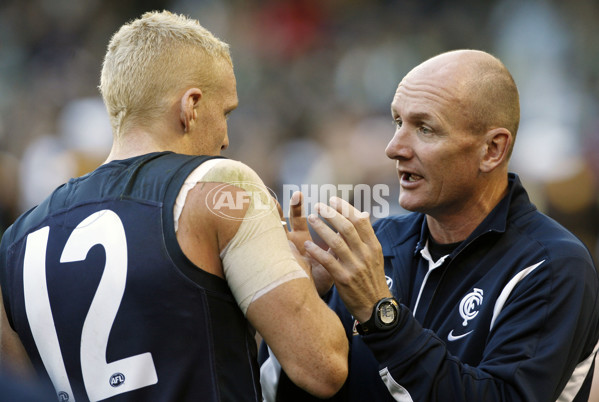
<point>409,179</point>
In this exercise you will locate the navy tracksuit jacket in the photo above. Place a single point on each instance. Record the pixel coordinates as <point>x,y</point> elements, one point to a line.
<point>510,315</point>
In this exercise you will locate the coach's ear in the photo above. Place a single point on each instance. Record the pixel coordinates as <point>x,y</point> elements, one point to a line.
<point>495,151</point>
<point>189,103</point>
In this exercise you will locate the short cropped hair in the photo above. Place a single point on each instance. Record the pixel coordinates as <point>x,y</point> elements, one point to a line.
<point>493,99</point>
<point>150,59</point>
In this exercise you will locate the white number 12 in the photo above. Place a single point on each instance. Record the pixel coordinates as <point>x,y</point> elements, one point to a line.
<point>104,228</point>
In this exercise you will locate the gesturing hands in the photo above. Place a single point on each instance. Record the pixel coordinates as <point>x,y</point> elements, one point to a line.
<point>354,259</point>
<point>298,234</point>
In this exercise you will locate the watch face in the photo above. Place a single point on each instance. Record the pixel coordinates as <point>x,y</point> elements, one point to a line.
<point>387,313</point>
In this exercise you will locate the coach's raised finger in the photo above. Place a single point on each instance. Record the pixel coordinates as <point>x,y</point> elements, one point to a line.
<point>334,241</point>
<point>360,220</point>
<point>326,259</point>
<point>342,225</point>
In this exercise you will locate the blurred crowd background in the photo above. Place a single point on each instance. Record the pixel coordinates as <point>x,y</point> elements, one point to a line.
<point>315,81</point>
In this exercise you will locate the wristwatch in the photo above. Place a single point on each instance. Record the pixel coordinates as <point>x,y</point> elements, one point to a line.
<point>385,316</point>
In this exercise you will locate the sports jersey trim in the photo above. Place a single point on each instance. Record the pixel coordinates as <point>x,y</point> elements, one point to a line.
<point>507,290</point>
<point>399,393</point>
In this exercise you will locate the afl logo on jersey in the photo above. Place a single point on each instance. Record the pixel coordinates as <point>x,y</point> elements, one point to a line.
<point>117,379</point>
<point>469,305</point>
<point>63,396</point>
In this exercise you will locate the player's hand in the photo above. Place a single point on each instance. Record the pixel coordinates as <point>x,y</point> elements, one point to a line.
<point>298,231</point>
<point>356,261</point>
<point>298,234</point>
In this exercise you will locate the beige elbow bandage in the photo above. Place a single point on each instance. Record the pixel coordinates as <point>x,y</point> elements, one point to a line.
<point>258,258</point>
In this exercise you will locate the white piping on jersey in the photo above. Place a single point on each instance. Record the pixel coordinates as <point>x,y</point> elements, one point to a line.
<point>432,265</point>
<point>582,369</point>
<point>507,290</point>
<point>398,392</point>
<point>193,179</point>
<point>577,378</point>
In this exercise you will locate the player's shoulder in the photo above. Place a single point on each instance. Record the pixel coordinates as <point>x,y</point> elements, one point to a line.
<point>230,171</point>
<point>229,187</point>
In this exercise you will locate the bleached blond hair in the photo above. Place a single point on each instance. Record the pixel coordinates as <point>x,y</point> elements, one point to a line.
<point>151,59</point>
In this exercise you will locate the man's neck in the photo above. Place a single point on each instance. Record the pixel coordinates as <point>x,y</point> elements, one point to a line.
<point>134,143</point>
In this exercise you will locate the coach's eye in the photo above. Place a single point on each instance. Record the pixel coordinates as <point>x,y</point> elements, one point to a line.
<point>425,130</point>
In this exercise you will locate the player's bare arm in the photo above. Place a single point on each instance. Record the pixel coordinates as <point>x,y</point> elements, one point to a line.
<point>272,289</point>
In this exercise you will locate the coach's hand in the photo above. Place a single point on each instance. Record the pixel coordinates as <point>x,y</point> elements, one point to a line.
<point>355,258</point>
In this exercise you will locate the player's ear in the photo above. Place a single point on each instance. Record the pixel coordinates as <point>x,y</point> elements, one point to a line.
<point>496,148</point>
<point>189,113</point>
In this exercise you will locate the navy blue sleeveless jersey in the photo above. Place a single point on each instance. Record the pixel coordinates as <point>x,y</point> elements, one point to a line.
<point>106,303</point>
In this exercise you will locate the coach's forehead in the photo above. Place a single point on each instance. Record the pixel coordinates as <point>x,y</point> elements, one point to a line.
<point>447,69</point>
<point>439,77</point>
<point>448,75</point>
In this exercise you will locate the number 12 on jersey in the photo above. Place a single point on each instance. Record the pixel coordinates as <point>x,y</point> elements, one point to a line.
<point>101,379</point>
